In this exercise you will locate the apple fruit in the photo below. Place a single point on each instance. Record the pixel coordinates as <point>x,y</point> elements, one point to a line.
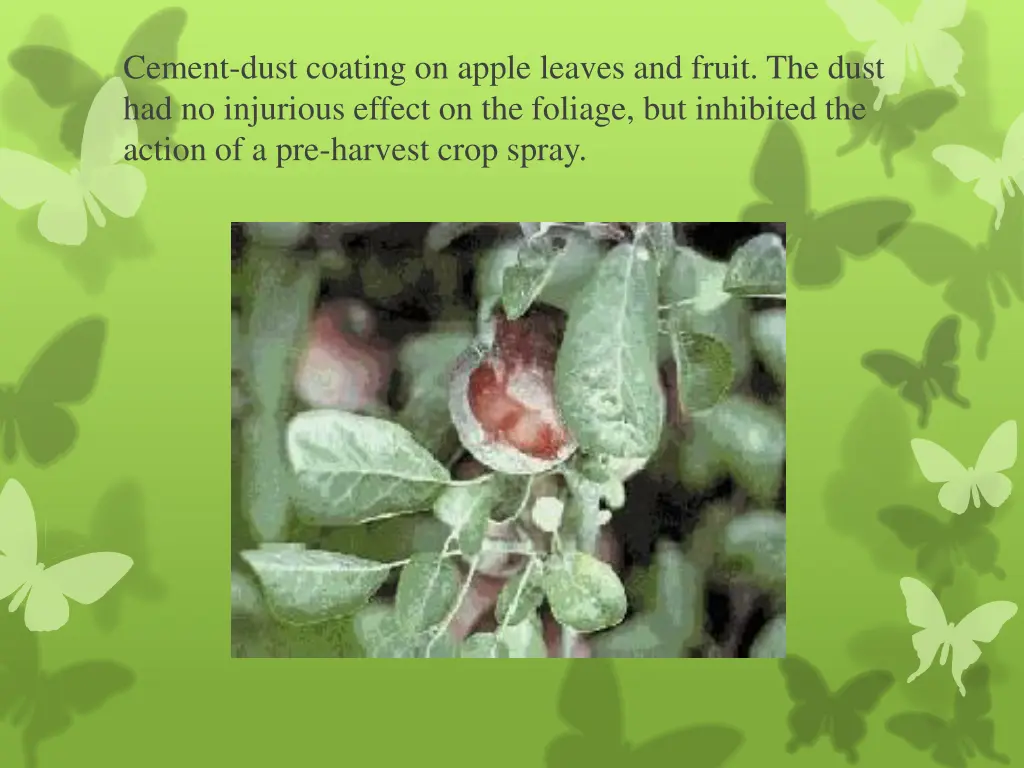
<point>343,366</point>
<point>502,395</point>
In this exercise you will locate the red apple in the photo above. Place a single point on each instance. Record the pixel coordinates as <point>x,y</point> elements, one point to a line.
<point>342,366</point>
<point>502,396</point>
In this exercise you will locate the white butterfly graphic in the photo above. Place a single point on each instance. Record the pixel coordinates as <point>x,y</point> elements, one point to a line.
<point>962,485</point>
<point>938,633</point>
<point>102,177</point>
<point>45,591</point>
<point>995,178</point>
<point>896,44</point>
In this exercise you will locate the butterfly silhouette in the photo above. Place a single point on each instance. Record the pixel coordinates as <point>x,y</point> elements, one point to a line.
<point>118,523</point>
<point>942,545</point>
<point>985,479</point>
<point>976,120</point>
<point>976,278</point>
<point>65,82</point>
<point>894,126</point>
<point>44,592</point>
<point>895,43</point>
<point>936,375</point>
<point>967,734</point>
<point>69,198</point>
<point>992,178</point>
<point>591,704</point>
<point>64,373</point>
<point>21,109</point>
<point>939,634</point>
<point>841,715</point>
<point>816,241</point>
<point>43,704</point>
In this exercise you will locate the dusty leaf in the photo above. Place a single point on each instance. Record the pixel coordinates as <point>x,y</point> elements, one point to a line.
<point>466,509</point>
<point>522,595</point>
<point>304,586</point>
<point>704,370</point>
<point>524,280</point>
<point>758,538</point>
<point>584,593</point>
<point>659,238</point>
<point>758,268</point>
<point>353,468</point>
<point>427,590</point>
<point>606,376</point>
<point>768,331</point>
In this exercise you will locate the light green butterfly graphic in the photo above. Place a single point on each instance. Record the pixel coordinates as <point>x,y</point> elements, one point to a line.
<point>979,626</point>
<point>45,591</point>
<point>69,197</point>
<point>984,480</point>
<point>995,178</point>
<point>896,44</point>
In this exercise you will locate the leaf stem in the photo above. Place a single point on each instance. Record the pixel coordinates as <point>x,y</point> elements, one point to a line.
<point>568,640</point>
<point>676,304</point>
<point>507,548</point>
<point>518,595</point>
<point>443,626</point>
<point>405,561</point>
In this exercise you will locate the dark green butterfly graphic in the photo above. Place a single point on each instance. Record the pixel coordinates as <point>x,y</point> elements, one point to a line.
<point>936,375</point>
<point>816,241</point>
<point>976,278</point>
<point>65,82</point>
<point>590,702</point>
<point>952,742</point>
<point>118,524</point>
<point>63,374</point>
<point>841,715</point>
<point>895,125</point>
<point>43,705</point>
<point>943,545</point>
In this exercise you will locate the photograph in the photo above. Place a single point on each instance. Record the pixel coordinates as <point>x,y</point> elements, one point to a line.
<point>508,439</point>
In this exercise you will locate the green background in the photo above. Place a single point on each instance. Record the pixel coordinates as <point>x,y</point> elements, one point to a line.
<point>159,417</point>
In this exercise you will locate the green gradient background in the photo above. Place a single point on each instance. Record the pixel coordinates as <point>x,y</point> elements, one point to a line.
<point>159,414</point>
